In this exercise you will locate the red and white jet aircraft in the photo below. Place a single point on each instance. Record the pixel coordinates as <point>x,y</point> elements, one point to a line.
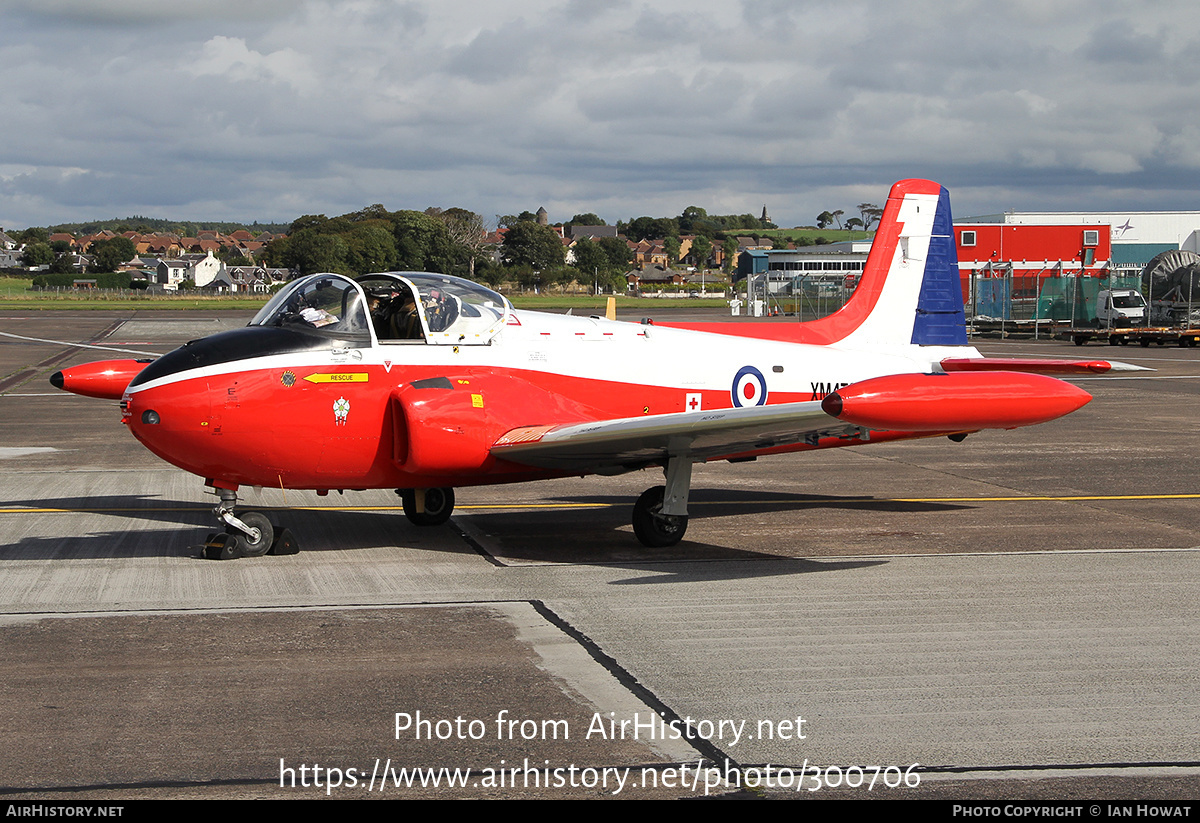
<point>424,382</point>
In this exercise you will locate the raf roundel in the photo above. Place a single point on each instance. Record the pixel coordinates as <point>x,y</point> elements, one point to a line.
<point>749,387</point>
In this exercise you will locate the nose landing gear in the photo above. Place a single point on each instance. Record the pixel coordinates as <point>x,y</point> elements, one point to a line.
<point>249,535</point>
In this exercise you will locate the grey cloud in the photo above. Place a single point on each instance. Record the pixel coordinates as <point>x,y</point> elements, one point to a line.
<point>269,110</point>
<point>148,12</point>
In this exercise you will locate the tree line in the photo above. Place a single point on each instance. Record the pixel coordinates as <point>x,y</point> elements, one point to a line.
<point>445,240</point>
<point>869,215</point>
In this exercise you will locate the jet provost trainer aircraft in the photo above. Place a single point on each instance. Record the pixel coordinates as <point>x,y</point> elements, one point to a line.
<point>423,382</point>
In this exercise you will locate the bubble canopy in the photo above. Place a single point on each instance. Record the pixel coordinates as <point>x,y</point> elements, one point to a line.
<point>390,307</point>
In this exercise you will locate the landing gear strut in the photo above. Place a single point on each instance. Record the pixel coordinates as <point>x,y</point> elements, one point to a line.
<point>427,507</point>
<point>249,535</point>
<point>660,515</point>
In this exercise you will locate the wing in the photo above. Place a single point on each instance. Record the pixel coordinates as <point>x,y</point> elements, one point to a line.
<point>919,403</point>
<point>614,446</point>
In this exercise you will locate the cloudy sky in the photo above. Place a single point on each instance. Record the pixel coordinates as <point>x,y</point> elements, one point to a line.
<point>270,109</point>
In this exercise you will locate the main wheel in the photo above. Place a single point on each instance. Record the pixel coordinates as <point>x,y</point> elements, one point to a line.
<point>439,504</point>
<point>266,535</point>
<point>654,529</point>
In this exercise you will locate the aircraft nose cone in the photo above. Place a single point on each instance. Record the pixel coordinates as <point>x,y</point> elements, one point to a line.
<point>57,381</point>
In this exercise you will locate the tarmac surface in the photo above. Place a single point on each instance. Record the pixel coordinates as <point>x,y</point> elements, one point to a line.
<point>1016,613</point>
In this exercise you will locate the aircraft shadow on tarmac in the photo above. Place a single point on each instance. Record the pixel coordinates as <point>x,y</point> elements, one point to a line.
<point>738,502</point>
<point>572,536</point>
<point>352,527</point>
<point>601,535</point>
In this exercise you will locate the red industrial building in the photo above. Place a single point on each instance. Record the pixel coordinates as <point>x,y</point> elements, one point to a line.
<point>1027,254</point>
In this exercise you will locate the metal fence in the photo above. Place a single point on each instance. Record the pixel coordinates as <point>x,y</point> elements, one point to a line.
<point>1070,299</point>
<point>997,301</point>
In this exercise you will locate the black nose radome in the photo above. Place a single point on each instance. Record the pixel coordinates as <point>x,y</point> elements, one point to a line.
<point>56,380</point>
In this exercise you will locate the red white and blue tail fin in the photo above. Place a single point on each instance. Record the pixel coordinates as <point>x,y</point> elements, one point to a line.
<point>910,291</point>
<point>909,294</point>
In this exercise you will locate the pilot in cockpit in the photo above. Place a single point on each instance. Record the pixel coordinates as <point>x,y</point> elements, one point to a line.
<point>394,314</point>
<point>441,309</point>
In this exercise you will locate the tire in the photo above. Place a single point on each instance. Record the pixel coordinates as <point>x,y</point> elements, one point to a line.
<point>1080,340</point>
<point>439,505</point>
<point>1112,341</point>
<point>266,535</point>
<point>655,530</point>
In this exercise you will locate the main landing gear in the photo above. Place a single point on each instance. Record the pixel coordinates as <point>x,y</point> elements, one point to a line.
<point>249,534</point>
<point>660,515</point>
<point>427,507</point>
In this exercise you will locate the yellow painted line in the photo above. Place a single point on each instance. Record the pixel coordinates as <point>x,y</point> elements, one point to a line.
<point>98,510</point>
<point>1061,499</point>
<point>834,501</point>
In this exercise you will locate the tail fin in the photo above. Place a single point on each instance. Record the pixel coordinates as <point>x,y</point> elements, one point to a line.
<point>910,290</point>
<point>909,293</point>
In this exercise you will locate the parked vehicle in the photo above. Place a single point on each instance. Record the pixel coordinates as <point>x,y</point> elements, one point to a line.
<point>1120,308</point>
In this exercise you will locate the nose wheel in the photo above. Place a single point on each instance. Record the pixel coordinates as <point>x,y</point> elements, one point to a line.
<point>249,534</point>
<point>258,535</point>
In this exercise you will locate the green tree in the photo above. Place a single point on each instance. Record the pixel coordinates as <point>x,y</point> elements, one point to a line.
<point>64,264</point>
<point>651,228</point>
<point>528,244</point>
<point>691,218</point>
<point>870,213</point>
<point>700,251</point>
<point>308,221</point>
<point>730,247</point>
<point>671,246</point>
<point>617,251</point>
<point>311,251</point>
<point>589,257</point>
<point>108,254</point>
<point>371,247</point>
<point>33,234</point>
<point>37,254</point>
<point>423,243</point>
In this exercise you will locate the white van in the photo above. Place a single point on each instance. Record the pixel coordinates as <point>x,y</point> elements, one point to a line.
<point>1120,308</point>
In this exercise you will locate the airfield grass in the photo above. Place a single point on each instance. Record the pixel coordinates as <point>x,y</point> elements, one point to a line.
<point>15,294</point>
